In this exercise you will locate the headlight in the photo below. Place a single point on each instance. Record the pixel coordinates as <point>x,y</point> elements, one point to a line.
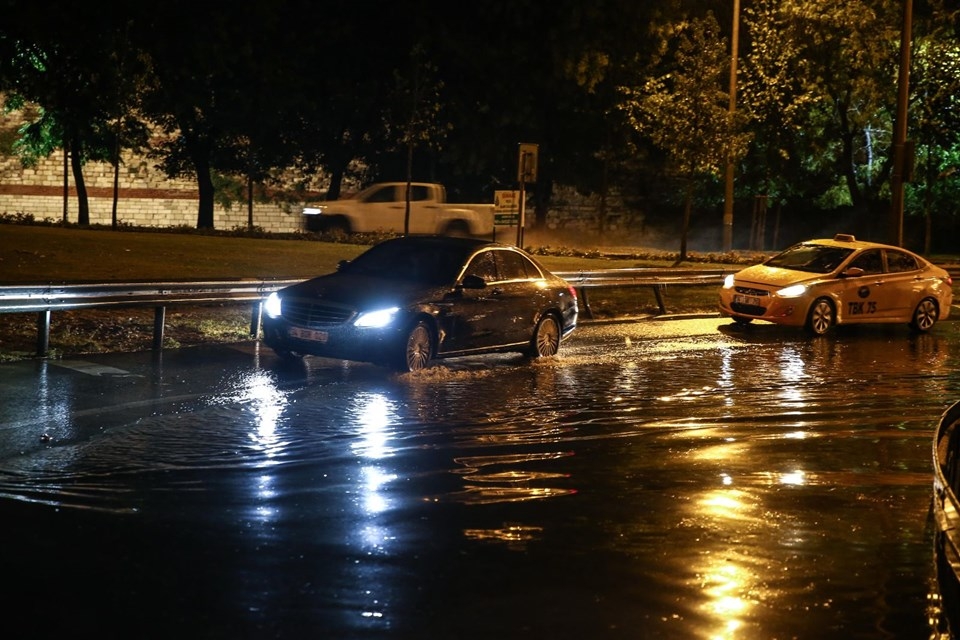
<point>728,282</point>
<point>272,305</point>
<point>792,291</point>
<point>376,319</point>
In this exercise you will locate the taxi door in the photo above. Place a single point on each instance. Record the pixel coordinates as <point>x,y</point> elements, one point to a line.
<point>866,298</point>
<point>904,284</point>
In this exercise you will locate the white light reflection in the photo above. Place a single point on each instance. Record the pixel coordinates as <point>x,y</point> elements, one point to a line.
<point>258,394</point>
<point>374,414</point>
<point>795,478</point>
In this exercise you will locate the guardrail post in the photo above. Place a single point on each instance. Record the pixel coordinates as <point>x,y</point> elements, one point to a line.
<point>159,316</point>
<point>658,292</point>
<point>256,318</point>
<point>584,302</point>
<point>43,333</point>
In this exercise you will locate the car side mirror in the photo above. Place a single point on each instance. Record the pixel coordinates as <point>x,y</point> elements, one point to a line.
<point>852,272</point>
<point>471,281</point>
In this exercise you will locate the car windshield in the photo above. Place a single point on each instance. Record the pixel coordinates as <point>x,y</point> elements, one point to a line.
<point>434,263</point>
<point>813,258</point>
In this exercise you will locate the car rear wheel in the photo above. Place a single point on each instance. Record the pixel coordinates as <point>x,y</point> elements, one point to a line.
<point>546,337</point>
<point>821,316</point>
<point>458,229</point>
<point>337,225</point>
<point>417,348</point>
<point>925,315</point>
<point>742,320</point>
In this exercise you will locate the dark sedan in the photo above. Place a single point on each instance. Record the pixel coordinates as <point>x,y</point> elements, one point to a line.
<point>406,301</point>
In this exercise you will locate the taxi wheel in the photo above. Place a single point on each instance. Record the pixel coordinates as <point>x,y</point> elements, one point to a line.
<point>417,348</point>
<point>546,338</point>
<point>742,320</point>
<point>821,316</point>
<point>925,315</point>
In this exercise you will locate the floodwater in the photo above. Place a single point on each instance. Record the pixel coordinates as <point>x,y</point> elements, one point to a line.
<point>682,479</point>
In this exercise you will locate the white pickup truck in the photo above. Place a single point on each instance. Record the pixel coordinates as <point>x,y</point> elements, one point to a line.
<point>381,207</point>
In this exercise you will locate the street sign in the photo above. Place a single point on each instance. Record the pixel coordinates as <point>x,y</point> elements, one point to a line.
<point>527,171</point>
<point>506,207</point>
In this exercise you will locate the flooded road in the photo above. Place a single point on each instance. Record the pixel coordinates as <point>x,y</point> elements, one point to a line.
<point>681,479</point>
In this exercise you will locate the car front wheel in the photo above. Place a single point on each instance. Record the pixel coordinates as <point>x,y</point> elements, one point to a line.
<point>417,348</point>
<point>821,317</point>
<point>925,315</point>
<point>546,337</point>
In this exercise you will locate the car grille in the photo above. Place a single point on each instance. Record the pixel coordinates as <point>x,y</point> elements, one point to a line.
<point>749,291</point>
<point>314,315</point>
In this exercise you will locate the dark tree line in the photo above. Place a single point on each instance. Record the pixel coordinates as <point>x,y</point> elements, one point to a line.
<point>238,92</point>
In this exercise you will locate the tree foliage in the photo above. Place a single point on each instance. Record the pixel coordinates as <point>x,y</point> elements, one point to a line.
<point>685,110</point>
<point>240,93</point>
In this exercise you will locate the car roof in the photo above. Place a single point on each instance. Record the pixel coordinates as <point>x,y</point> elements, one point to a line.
<point>425,242</point>
<point>848,241</point>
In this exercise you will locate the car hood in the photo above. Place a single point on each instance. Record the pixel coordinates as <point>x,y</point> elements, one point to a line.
<point>362,292</point>
<point>774,276</point>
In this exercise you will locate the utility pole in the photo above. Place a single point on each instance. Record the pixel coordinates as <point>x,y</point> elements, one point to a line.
<point>900,129</point>
<point>728,190</point>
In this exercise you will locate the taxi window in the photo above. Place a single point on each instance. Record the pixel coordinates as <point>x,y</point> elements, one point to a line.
<point>870,261</point>
<point>899,261</point>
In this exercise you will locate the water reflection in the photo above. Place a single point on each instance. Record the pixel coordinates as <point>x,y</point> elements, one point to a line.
<point>375,418</point>
<point>757,485</point>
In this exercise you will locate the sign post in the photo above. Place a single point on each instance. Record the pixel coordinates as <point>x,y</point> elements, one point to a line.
<point>526,172</point>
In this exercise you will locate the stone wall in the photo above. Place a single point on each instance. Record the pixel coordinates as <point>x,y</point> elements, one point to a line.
<point>146,197</point>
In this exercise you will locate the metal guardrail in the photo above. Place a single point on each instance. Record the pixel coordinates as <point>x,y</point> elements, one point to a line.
<point>44,299</point>
<point>656,279</point>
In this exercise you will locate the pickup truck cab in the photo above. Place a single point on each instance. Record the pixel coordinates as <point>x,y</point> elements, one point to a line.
<point>381,207</point>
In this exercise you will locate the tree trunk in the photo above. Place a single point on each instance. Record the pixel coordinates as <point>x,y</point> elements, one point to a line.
<point>76,166</point>
<point>199,150</point>
<point>687,207</point>
<point>205,185</point>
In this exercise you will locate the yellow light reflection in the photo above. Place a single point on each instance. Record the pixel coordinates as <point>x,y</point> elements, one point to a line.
<point>725,583</point>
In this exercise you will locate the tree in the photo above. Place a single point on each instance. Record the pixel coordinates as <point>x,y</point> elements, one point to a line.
<point>774,98</point>
<point>850,53</point>
<point>935,85</point>
<point>685,111</point>
<point>46,60</point>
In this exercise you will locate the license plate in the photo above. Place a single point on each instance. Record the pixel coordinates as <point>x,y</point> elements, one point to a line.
<point>307,334</point>
<point>748,300</point>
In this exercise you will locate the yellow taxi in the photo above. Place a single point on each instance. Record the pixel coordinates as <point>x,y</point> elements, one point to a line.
<point>817,284</point>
